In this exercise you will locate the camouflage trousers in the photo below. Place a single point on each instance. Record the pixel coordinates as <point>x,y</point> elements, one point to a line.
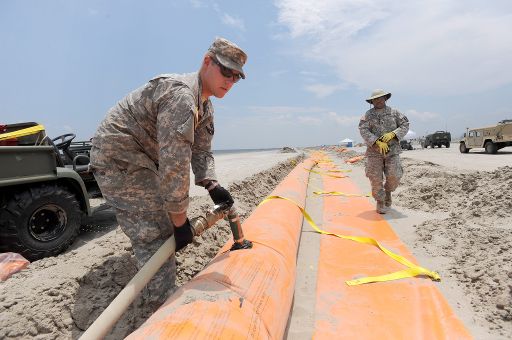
<point>380,167</point>
<point>147,230</point>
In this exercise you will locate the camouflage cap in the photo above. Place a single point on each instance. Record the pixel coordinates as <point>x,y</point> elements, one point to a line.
<point>377,94</point>
<point>229,54</point>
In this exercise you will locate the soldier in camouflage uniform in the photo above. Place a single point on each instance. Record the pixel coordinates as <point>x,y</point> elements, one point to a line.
<point>143,150</point>
<point>382,127</point>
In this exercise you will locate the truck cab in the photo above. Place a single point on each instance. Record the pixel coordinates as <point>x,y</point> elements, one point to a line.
<point>438,138</point>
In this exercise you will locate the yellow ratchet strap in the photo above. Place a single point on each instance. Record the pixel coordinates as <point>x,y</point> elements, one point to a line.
<point>22,132</point>
<point>411,271</point>
<point>324,174</point>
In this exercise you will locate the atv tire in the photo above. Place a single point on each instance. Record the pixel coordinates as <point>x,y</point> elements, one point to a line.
<point>39,222</point>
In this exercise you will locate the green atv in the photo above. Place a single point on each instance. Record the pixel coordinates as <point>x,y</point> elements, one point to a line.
<point>45,186</point>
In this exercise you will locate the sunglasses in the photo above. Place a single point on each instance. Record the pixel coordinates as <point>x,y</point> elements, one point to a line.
<point>226,72</point>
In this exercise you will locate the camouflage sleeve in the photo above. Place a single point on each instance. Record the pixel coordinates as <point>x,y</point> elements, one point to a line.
<point>175,134</point>
<point>402,125</point>
<point>364,130</point>
<point>203,164</point>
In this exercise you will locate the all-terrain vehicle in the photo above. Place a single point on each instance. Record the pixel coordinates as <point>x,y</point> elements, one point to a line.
<point>492,138</point>
<point>438,139</point>
<point>43,190</point>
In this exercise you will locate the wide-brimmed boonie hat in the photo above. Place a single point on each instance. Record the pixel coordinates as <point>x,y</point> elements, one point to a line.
<point>377,94</point>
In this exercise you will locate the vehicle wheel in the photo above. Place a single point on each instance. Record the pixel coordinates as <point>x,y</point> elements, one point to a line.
<point>490,147</point>
<point>463,148</point>
<point>39,222</point>
<point>447,145</point>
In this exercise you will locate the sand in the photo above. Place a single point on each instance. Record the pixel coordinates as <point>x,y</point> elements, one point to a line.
<point>455,218</point>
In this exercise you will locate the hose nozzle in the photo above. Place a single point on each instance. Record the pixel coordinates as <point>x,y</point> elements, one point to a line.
<point>201,223</point>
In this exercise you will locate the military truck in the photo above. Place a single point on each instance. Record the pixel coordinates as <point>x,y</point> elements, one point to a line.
<point>43,191</point>
<point>491,138</point>
<point>438,139</point>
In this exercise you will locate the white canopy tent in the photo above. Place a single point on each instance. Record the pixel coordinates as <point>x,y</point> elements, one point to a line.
<point>410,135</point>
<point>346,142</point>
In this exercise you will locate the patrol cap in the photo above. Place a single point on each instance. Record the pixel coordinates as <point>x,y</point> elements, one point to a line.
<point>229,55</point>
<point>377,94</point>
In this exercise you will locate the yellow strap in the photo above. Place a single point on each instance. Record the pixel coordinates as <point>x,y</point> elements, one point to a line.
<point>412,271</point>
<point>22,132</point>
<point>342,170</point>
<point>339,193</point>
<point>324,174</point>
<point>318,191</point>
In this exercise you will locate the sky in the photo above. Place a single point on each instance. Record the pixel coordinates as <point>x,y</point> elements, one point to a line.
<point>311,64</point>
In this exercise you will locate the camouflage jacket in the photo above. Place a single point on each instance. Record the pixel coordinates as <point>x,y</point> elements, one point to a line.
<point>166,127</point>
<point>375,123</point>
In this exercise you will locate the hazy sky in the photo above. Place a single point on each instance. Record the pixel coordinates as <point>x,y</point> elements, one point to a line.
<point>311,63</point>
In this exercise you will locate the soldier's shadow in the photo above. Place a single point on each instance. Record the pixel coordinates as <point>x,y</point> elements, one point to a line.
<point>394,214</point>
<point>98,224</point>
<point>371,215</point>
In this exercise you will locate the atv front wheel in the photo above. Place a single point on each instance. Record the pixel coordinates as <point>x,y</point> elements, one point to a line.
<point>39,222</point>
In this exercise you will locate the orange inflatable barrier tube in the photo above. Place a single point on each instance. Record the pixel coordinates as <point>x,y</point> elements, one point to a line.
<point>409,308</point>
<point>245,293</point>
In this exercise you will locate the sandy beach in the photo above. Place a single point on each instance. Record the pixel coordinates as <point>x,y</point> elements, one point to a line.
<point>452,210</point>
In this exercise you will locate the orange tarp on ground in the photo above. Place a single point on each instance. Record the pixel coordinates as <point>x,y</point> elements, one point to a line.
<point>411,308</point>
<point>245,293</point>
<point>11,263</point>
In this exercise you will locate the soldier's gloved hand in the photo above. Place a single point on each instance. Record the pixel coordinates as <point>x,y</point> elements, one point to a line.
<point>383,147</point>
<point>221,195</point>
<point>183,235</point>
<point>387,137</point>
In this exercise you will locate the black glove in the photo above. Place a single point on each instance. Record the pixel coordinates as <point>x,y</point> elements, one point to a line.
<point>183,235</point>
<point>221,195</point>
